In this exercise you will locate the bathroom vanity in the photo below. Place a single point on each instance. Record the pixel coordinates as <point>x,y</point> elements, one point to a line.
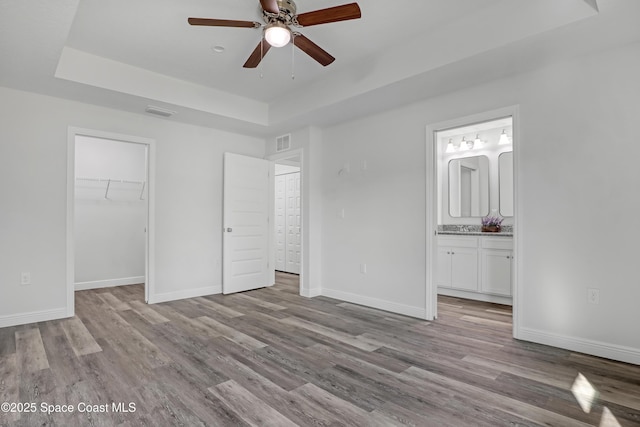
<point>475,180</point>
<point>475,265</point>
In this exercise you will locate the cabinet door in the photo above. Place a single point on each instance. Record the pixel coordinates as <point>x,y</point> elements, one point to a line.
<point>443,276</point>
<point>496,271</point>
<point>464,268</point>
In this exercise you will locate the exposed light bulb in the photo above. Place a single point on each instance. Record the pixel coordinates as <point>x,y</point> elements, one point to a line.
<point>277,34</point>
<point>504,139</point>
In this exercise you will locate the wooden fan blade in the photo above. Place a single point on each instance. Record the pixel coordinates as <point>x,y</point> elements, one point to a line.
<point>223,23</point>
<point>331,14</point>
<point>257,54</point>
<point>313,50</point>
<point>270,6</point>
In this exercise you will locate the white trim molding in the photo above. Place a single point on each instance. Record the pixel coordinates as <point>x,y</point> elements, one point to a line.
<point>380,304</point>
<point>590,347</point>
<point>310,293</point>
<point>496,299</point>
<point>188,293</point>
<point>109,283</point>
<point>33,317</point>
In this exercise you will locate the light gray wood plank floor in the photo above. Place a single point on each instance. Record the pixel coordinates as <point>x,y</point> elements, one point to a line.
<point>270,357</point>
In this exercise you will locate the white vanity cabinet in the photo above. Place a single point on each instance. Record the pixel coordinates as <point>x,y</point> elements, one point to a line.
<point>475,267</point>
<point>497,261</point>
<point>458,263</point>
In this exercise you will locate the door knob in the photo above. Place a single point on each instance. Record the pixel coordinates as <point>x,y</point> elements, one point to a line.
<point>229,229</point>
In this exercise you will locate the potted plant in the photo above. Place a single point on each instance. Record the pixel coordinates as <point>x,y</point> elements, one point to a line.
<point>492,223</point>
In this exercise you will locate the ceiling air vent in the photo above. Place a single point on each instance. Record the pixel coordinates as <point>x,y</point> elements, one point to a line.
<point>283,142</point>
<point>159,111</point>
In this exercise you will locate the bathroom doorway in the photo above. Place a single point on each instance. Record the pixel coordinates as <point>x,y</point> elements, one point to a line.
<point>471,187</point>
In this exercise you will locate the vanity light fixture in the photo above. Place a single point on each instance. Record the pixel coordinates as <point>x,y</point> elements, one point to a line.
<point>467,145</point>
<point>504,139</point>
<point>478,142</point>
<point>450,148</point>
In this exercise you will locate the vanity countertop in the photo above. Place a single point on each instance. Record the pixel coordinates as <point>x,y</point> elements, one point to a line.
<point>473,230</point>
<point>476,233</point>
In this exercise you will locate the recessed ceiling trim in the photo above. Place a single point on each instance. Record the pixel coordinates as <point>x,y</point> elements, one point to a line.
<point>93,70</point>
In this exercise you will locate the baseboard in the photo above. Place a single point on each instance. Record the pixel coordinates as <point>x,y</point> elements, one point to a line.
<point>109,283</point>
<point>496,299</point>
<point>187,293</point>
<point>32,317</point>
<point>393,307</point>
<point>595,348</point>
<point>310,293</point>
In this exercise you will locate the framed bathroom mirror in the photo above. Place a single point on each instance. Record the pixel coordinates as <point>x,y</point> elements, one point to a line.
<point>469,187</point>
<point>505,180</point>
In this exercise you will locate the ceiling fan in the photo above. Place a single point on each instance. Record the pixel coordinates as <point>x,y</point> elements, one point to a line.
<point>279,16</point>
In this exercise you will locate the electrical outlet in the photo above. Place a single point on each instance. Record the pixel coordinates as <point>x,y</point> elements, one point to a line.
<point>593,296</point>
<point>25,278</point>
<point>363,268</point>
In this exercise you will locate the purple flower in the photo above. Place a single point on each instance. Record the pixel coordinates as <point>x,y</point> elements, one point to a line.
<point>492,220</point>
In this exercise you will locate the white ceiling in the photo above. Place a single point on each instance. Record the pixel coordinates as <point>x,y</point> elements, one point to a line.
<point>154,35</point>
<point>128,54</point>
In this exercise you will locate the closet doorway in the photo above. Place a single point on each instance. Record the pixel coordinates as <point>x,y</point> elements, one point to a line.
<point>108,211</point>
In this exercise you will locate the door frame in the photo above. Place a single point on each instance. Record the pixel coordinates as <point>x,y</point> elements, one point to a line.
<point>274,158</point>
<point>72,133</point>
<point>431,303</point>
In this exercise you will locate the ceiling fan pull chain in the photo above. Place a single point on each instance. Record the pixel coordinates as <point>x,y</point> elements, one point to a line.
<point>293,56</point>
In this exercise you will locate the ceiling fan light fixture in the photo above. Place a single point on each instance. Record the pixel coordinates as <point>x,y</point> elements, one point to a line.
<point>277,34</point>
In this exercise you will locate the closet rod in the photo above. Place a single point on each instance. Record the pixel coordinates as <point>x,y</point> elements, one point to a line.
<point>121,181</point>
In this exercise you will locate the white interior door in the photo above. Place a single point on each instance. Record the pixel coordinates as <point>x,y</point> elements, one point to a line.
<point>246,223</point>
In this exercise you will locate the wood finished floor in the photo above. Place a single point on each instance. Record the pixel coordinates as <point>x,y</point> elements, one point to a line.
<point>272,358</point>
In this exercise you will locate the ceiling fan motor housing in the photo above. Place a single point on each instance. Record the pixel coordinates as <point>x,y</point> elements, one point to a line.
<point>287,13</point>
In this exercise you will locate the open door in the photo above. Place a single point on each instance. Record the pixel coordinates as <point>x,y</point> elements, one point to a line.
<point>246,214</point>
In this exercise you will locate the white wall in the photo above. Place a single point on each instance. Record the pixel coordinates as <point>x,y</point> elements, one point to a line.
<point>33,168</point>
<point>577,185</point>
<point>384,211</point>
<point>109,232</point>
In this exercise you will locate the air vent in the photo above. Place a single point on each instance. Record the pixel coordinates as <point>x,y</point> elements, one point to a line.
<point>283,142</point>
<point>159,111</point>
